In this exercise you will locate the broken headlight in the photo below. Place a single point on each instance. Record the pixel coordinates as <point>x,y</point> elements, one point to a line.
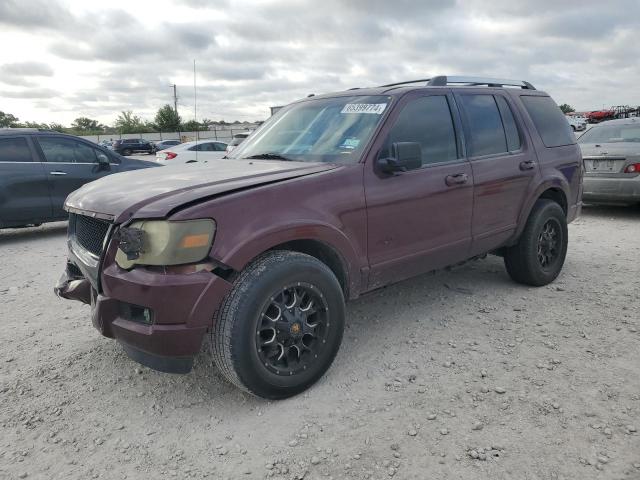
<point>161,242</point>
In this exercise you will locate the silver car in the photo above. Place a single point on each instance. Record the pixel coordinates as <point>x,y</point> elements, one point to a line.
<point>611,155</point>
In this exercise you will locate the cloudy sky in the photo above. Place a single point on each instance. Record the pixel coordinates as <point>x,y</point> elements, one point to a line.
<point>69,58</point>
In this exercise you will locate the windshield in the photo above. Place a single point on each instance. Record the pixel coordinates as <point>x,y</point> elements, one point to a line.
<point>324,130</point>
<point>612,134</point>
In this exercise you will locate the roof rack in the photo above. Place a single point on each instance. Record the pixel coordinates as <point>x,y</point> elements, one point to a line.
<point>443,81</point>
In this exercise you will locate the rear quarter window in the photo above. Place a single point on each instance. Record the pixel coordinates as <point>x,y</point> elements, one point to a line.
<point>549,121</point>
<point>14,150</point>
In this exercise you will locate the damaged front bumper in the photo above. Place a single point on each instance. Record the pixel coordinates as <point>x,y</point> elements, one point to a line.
<point>159,317</point>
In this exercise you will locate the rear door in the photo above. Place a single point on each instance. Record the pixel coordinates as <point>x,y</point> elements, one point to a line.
<point>24,193</point>
<point>69,164</point>
<point>504,166</point>
<point>419,220</point>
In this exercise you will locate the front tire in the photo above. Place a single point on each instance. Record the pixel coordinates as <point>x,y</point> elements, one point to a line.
<point>539,255</point>
<point>126,152</point>
<point>280,328</point>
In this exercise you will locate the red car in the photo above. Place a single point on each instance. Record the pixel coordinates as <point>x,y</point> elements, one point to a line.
<point>598,116</point>
<point>334,196</point>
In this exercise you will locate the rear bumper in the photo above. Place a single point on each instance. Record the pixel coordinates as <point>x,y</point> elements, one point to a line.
<point>611,190</point>
<point>159,318</point>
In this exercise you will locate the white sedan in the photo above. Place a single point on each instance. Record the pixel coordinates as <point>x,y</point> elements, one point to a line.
<point>190,152</point>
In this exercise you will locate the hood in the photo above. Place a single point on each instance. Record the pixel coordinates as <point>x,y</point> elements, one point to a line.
<point>617,149</point>
<point>155,192</point>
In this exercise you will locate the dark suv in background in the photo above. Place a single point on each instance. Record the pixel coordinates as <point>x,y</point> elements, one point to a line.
<point>127,146</point>
<point>38,169</point>
<point>332,197</point>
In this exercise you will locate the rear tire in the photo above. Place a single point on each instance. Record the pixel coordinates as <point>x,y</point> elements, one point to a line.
<point>280,328</point>
<point>539,255</point>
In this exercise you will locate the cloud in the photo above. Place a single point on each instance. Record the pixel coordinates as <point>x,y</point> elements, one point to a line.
<point>255,53</point>
<point>34,14</point>
<point>31,93</point>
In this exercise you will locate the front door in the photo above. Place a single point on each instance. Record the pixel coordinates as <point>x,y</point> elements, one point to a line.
<point>24,193</point>
<point>503,167</point>
<point>419,220</point>
<point>70,164</point>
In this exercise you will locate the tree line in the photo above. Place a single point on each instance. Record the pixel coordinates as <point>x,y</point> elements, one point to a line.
<point>165,120</point>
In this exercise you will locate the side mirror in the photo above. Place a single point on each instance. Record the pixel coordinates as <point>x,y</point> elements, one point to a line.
<point>404,156</point>
<point>103,160</point>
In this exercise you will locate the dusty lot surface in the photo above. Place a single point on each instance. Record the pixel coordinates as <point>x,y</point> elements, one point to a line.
<point>460,375</point>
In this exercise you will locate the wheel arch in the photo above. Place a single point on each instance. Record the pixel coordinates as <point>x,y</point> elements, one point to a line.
<point>322,242</point>
<point>323,252</point>
<point>555,190</point>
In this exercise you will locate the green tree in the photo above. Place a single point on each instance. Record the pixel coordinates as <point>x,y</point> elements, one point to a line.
<point>566,108</point>
<point>84,124</point>
<point>127,122</point>
<point>167,119</point>
<point>8,120</point>
<point>191,126</point>
<point>57,127</point>
<point>35,125</point>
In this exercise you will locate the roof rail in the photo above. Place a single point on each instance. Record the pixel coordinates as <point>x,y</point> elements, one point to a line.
<point>443,81</point>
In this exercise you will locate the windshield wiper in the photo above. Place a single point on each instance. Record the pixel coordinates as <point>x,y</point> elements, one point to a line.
<point>269,156</point>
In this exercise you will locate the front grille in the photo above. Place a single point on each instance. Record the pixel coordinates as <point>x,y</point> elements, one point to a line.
<point>89,232</point>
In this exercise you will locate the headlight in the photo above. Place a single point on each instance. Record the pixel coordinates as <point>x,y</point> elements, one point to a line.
<point>161,242</point>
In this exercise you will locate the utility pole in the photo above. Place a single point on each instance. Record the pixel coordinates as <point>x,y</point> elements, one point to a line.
<point>175,106</point>
<point>175,99</point>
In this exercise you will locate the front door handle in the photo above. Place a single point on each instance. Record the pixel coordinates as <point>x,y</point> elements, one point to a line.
<point>457,179</point>
<point>527,165</point>
<point>57,172</point>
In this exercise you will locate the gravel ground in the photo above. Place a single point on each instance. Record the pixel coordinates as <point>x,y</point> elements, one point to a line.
<point>462,375</point>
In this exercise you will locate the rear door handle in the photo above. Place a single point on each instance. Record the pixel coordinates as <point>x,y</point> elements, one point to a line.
<point>57,172</point>
<point>457,179</point>
<point>527,165</point>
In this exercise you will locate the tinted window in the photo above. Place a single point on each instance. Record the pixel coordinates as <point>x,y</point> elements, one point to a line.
<point>509,123</point>
<point>14,150</point>
<point>549,121</point>
<point>220,147</point>
<point>426,120</point>
<point>612,134</point>
<point>485,125</point>
<point>64,150</point>
<point>203,147</point>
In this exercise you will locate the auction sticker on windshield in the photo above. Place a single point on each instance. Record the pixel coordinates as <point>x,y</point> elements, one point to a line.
<point>375,108</point>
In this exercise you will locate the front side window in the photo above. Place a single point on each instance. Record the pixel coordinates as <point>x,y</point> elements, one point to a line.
<point>485,125</point>
<point>549,120</point>
<point>427,121</point>
<point>318,130</point>
<point>14,150</point>
<point>64,150</point>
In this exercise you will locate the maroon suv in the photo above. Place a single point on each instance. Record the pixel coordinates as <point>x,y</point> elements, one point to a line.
<point>332,197</point>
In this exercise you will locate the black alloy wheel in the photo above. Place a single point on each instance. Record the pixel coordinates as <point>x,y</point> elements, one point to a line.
<point>293,329</point>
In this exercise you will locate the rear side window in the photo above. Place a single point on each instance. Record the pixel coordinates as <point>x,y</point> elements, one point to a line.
<point>14,150</point>
<point>203,147</point>
<point>487,133</point>
<point>553,128</point>
<point>510,128</point>
<point>427,121</point>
